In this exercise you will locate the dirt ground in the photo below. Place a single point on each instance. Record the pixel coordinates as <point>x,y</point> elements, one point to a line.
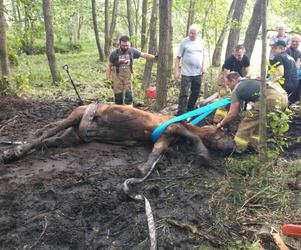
<point>68,198</point>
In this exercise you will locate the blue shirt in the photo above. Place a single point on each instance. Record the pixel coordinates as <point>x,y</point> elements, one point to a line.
<point>192,54</point>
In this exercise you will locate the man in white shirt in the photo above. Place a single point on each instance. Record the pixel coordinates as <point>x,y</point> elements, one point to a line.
<point>191,52</point>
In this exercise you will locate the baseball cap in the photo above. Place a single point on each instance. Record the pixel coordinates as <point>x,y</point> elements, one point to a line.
<point>279,43</point>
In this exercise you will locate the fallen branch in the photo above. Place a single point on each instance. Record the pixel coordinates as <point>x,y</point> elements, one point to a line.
<point>45,225</point>
<point>194,230</point>
<point>2,126</point>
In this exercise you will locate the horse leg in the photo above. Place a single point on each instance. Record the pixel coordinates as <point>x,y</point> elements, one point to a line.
<point>68,138</point>
<point>159,147</point>
<point>21,150</point>
<point>202,152</point>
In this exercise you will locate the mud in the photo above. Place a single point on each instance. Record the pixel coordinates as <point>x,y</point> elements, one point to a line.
<point>68,198</point>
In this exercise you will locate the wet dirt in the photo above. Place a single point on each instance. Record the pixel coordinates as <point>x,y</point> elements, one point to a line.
<point>68,198</point>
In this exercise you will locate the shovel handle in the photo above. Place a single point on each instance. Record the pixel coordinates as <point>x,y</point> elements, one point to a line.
<point>65,67</point>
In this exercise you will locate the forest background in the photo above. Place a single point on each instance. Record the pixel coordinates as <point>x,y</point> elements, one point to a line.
<point>82,33</point>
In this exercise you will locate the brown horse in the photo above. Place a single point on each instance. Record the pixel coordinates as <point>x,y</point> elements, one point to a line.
<point>124,125</point>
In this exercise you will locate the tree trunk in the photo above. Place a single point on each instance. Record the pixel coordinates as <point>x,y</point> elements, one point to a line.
<point>110,28</point>
<point>190,15</point>
<point>49,42</point>
<point>3,51</point>
<point>130,17</point>
<point>107,29</point>
<point>136,9</point>
<point>143,25</point>
<point>253,28</point>
<point>235,26</point>
<point>217,54</point>
<point>152,46</point>
<point>162,69</point>
<point>263,113</point>
<point>96,32</point>
<point>170,49</point>
<point>79,27</point>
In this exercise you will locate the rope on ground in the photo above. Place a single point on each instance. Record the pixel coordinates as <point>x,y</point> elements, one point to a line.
<point>148,209</point>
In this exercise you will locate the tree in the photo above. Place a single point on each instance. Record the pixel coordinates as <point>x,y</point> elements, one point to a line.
<point>253,28</point>
<point>3,51</point>
<point>190,18</point>
<point>263,113</point>
<point>143,25</point>
<point>50,42</point>
<point>152,46</point>
<point>110,28</point>
<point>217,54</point>
<point>170,49</point>
<point>96,32</point>
<point>235,26</point>
<point>130,17</point>
<point>162,69</point>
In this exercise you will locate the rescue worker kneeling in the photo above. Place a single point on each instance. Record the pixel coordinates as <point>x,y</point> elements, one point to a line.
<point>248,90</point>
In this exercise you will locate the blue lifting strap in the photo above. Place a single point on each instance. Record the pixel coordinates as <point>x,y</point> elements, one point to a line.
<point>202,112</point>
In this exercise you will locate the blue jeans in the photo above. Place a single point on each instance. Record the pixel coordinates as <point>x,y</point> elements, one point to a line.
<point>194,84</point>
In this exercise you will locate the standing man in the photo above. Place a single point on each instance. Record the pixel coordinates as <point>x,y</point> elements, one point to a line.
<point>237,62</point>
<point>120,70</point>
<point>295,53</point>
<point>293,50</point>
<point>285,67</point>
<point>281,35</point>
<point>248,90</point>
<point>191,51</point>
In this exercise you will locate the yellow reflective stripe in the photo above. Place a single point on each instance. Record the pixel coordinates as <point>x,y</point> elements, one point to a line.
<point>255,137</point>
<point>250,114</point>
<point>221,112</point>
<point>241,141</point>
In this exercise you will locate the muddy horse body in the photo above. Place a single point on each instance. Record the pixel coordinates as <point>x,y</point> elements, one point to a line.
<point>125,125</point>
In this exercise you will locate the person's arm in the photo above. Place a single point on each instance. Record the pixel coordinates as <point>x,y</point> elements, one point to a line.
<point>298,63</point>
<point>148,56</point>
<point>233,112</point>
<point>176,68</point>
<point>108,70</point>
<point>245,71</point>
<point>204,63</point>
<point>226,72</point>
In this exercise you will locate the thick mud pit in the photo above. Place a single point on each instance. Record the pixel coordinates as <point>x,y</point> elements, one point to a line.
<point>68,198</point>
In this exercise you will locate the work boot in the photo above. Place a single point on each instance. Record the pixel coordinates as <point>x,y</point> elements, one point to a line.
<point>128,98</point>
<point>118,99</point>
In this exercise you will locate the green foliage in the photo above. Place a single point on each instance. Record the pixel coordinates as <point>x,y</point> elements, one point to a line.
<point>278,122</point>
<point>20,82</point>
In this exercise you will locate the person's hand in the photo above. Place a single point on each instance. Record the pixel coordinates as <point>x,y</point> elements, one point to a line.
<point>156,58</point>
<point>204,71</point>
<point>219,125</point>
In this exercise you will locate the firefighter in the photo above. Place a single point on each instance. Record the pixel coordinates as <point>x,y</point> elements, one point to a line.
<point>248,90</point>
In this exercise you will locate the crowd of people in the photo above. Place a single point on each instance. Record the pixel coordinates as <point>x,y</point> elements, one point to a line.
<point>283,86</point>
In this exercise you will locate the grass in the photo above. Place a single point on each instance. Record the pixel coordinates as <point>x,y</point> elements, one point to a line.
<point>256,195</point>
<point>251,190</point>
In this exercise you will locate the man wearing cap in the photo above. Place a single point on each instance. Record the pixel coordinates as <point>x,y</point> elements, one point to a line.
<point>248,90</point>
<point>285,67</point>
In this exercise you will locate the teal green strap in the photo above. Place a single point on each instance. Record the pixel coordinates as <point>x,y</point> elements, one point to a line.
<point>203,112</point>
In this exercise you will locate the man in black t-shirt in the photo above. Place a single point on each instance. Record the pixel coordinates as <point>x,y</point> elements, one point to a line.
<point>120,68</point>
<point>285,67</point>
<point>237,62</point>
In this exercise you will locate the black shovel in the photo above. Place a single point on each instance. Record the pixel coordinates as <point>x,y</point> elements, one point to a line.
<point>66,68</point>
